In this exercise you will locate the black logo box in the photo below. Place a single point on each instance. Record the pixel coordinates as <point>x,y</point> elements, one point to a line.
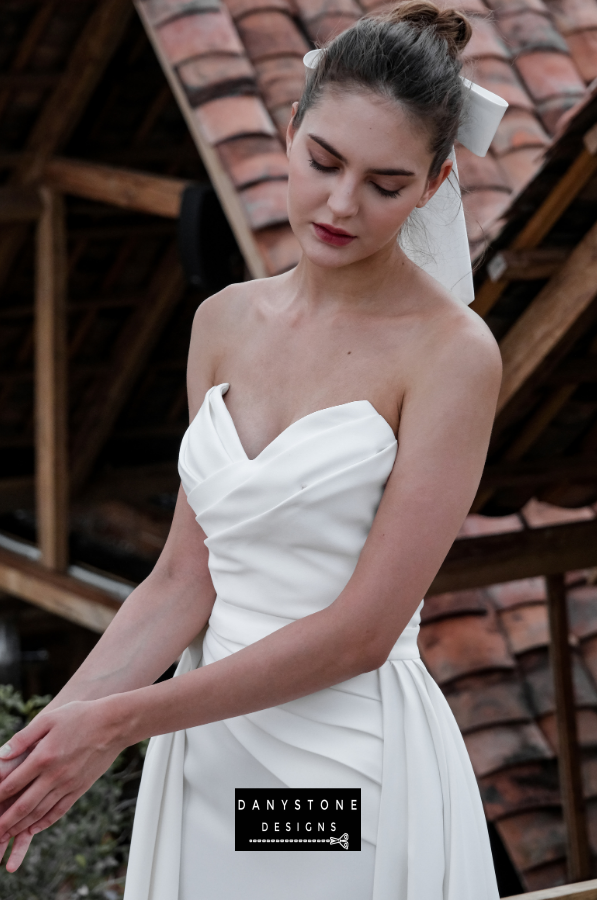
<point>297,819</point>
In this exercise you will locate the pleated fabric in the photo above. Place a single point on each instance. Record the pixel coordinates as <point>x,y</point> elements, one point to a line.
<point>284,533</point>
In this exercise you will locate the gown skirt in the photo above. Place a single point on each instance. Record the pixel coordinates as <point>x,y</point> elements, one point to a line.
<point>284,533</point>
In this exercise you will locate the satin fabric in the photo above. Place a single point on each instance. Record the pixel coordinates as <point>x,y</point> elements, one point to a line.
<point>284,533</point>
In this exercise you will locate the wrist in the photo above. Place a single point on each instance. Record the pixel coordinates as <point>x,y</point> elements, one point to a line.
<point>116,720</point>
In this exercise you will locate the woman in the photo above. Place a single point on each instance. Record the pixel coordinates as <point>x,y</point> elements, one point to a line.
<point>302,534</point>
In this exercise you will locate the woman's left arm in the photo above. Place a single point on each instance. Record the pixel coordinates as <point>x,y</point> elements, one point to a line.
<point>445,425</point>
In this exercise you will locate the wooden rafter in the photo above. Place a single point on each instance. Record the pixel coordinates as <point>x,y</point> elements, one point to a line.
<point>135,344</point>
<point>63,109</point>
<point>19,204</point>
<point>157,195</point>
<point>586,890</point>
<point>492,559</point>
<point>51,383</point>
<point>549,317</point>
<point>59,594</point>
<point>544,218</point>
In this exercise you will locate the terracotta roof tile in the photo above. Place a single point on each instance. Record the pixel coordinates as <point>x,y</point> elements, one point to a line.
<point>465,6</point>
<point>514,593</point>
<point>546,876</point>
<point>548,75</point>
<point>519,128</point>
<point>314,9</point>
<point>524,787</point>
<point>527,31</point>
<point>589,775</point>
<point>195,35</point>
<point>442,606</point>
<point>475,525</point>
<point>481,208</point>
<point>573,15</point>
<point>551,111</point>
<point>271,33</point>
<point>498,76</point>
<point>460,646</point>
<point>536,669</point>
<point>591,813</point>
<point>279,247</point>
<point>586,723</point>
<point>479,172</point>
<point>496,698</point>
<point>519,166</point>
<point>326,28</point>
<point>588,648</point>
<point>247,168</point>
<point>582,610</point>
<point>507,7</point>
<point>281,80</point>
<point>534,838</point>
<point>160,11</point>
<point>239,8</point>
<point>538,514</point>
<point>496,748</point>
<point>583,47</point>
<point>265,204</point>
<point>281,116</point>
<point>212,76</point>
<point>527,627</point>
<point>232,117</point>
<point>485,42</point>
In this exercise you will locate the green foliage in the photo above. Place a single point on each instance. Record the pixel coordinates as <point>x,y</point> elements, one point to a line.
<point>84,853</point>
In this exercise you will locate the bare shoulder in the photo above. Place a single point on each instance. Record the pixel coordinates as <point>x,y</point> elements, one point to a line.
<point>220,323</point>
<point>455,345</point>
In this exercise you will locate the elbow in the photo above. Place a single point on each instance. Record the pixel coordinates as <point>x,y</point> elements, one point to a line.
<point>366,657</point>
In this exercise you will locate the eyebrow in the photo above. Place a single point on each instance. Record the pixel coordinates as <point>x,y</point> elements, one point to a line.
<point>338,155</point>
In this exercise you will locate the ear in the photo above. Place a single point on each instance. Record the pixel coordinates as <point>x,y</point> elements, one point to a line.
<point>434,184</point>
<point>291,130</point>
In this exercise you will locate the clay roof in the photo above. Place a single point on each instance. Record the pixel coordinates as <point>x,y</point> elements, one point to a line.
<point>488,651</point>
<point>239,63</point>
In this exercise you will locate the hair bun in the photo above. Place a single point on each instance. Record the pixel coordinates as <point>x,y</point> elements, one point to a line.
<point>449,23</point>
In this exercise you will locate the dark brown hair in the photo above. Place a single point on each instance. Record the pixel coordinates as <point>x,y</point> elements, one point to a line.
<point>411,54</point>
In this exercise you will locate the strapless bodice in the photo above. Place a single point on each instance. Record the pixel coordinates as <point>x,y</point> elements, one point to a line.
<point>285,530</point>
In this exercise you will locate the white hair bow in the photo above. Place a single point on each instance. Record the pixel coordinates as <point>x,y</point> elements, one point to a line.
<point>443,250</point>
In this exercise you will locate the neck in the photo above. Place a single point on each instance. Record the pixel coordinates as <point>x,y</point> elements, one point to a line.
<point>363,284</point>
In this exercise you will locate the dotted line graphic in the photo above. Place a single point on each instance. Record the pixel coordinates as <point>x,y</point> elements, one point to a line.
<point>343,841</point>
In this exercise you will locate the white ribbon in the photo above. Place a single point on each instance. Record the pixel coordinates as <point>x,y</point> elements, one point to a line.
<point>442,250</point>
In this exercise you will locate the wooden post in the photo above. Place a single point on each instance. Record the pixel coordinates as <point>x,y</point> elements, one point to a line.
<point>579,860</point>
<point>51,383</point>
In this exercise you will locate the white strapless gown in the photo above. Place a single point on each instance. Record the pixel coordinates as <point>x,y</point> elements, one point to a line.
<point>284,533</point>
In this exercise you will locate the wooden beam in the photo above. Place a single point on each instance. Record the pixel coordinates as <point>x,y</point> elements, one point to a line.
<point>135,344</point>
<point>586,890</point>
<point>577,841</point>
<point>527,265</point>
<point>496,558</point>
<point>19,204</point>
<point>543,220</point>
<point>551,314</point>
<point>65,105</point>
<point>51,383</point>
<point>535,472</point>
<point>154,194</point>
<point>59,594</point>
<point>575,371</point>
<point>28,80</point>
<point>227,194</point>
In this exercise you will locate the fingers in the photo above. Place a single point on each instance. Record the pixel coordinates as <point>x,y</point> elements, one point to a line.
<point>23,806</point>
<point>19,849</point>
<point>8,766</point>
<point>23,775</point>
<point>54,814</point>
<point>49,801</point>
<point>26,738</point>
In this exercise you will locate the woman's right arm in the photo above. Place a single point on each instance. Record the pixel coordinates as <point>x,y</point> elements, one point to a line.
<point>156,622</point>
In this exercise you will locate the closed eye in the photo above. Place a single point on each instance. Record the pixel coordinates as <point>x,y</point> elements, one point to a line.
<point>380,190</point>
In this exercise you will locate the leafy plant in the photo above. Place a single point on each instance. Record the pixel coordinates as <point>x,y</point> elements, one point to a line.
<point>84,854</point>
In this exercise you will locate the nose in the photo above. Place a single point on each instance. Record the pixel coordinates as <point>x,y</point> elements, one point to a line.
<point>343,198</point>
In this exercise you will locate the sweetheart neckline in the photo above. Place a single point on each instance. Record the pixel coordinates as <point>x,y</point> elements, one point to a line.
<point>226,385</point>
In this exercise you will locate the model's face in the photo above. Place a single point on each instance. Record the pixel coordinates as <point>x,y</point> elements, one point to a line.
<point>357,164</point>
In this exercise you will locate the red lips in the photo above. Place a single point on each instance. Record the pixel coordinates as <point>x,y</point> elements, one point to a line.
<point>330,235</point>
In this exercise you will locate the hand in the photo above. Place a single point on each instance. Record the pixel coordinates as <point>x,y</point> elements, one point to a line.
<point>24,838</point>
<point>68,748</point>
